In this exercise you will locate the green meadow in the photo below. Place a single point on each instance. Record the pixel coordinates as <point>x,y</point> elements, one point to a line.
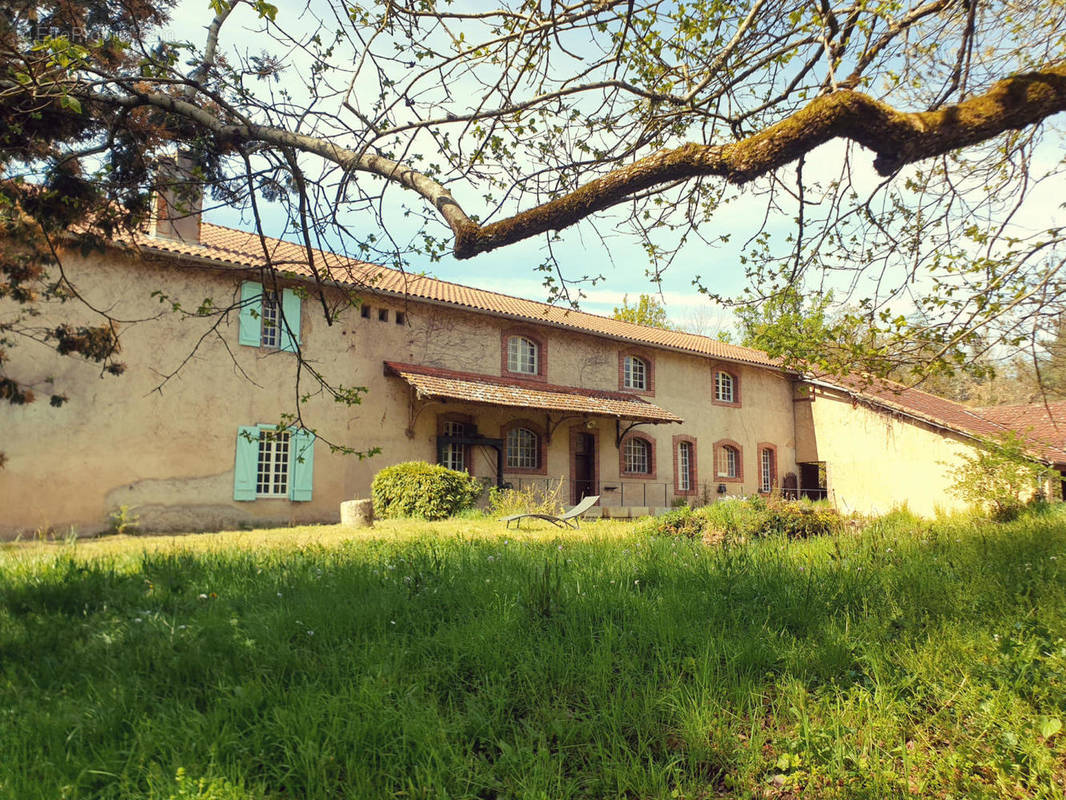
<point>461,660</point>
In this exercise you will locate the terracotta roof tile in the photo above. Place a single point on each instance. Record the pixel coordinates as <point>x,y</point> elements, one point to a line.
<point>947,413</point>
<point>243,249</point>
<point>1037,420</point>
<point>470,387</point>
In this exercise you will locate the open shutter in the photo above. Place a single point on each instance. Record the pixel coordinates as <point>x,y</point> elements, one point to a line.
<point>290,309</point>
<point>301,465</point>
<point>251,312</point>
<point>246,464</point>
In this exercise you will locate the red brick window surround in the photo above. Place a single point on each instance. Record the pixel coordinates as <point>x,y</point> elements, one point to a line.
<point>767,467</point>
<point>524,450</point>
<point>636,372</point>
<point>523,354</point>
<point>636,457</point>
<point>686,477</point>
<point>728,462</point>
<point>725,387</point>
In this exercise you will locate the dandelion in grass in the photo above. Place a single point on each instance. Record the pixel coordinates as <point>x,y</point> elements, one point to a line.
<point>202,596</point>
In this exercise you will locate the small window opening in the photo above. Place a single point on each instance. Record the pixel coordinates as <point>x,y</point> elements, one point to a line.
<point>401,318</point>
<point>364,312</point>
<point>383,315</point>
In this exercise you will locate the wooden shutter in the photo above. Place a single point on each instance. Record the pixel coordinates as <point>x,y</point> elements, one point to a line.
<point>246,463</point>
<point>251,313</point>
<point>301,465</point>
<point>290,309</point>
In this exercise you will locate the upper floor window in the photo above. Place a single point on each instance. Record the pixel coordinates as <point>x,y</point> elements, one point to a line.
<point>522,449</point>
<point>635,373</point>
<point>637,456</point>
<point>724,387</point>
<point>269,318</point>
<point>523,355</point>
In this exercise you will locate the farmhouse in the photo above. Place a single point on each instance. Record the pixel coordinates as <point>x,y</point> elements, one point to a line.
<point>198,433</point>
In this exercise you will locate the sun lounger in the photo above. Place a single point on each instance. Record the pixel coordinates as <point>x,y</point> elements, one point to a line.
<point>568,519</point>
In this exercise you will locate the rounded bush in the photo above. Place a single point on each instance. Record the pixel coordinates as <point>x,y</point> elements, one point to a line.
<point>418,489</point>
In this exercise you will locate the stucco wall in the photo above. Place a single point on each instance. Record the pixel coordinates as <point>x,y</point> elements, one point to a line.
<point>165,445</point>
<point>875,461</point>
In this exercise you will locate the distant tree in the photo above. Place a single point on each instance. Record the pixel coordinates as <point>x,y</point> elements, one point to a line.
<point>646,311</point>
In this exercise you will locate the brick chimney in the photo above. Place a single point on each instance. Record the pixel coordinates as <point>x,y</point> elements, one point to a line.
<point>179,200</point>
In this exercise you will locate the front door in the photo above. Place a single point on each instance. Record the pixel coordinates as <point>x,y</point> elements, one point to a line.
<point>584,459</point>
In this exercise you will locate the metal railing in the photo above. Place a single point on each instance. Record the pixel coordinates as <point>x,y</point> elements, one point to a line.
<point>654,494</point>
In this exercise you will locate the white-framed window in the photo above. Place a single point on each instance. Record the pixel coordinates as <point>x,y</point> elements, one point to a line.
<point>522,449</point>
<point>522,355</point>
<point>272,467</point>
<point>766,470</point>
<point>724,388</point>
<point>635,373</point>
<point>268,320</point>
<point>728,461</point>
<point>453,456</point>
<point>637,456</point>
<point>684,466</point>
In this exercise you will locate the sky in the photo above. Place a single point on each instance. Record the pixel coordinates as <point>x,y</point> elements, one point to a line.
<point>620,260</point>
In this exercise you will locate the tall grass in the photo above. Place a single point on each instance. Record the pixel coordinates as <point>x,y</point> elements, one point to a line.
<point>913,659</point>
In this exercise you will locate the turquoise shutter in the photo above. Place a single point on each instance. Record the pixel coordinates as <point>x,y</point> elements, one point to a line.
<point>301,465</point>
<point>251,311</point>
<point>246,464</point>
<point>290,309</point>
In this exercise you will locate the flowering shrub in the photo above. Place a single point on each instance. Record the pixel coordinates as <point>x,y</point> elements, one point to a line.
<point>418,489</point>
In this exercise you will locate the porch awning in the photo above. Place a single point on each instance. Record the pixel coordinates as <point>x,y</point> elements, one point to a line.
<point>468,387</point>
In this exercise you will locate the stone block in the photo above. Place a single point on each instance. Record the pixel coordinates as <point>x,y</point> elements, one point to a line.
<point>358,513</point>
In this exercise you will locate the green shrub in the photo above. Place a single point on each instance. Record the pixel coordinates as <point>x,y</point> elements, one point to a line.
<point>681,522</point>
<point>750,518</point>
<point>418,489</point>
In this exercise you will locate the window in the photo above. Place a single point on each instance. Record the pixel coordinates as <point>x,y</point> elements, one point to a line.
<point>637,456</point>
<point>684,467</point>
<point>268,318</point>
<point>728,461</point>
<point>522,449</point>
<point>635,373</point>
<point>268,328</point>
<point>272,463</point>
<point>364,311</point>
<point>522,355</point>
<point>401,318</point>
<point>383,315</point>
<point>767,468</point>
<point>452,454</point>
<point>272,468</point>
<point>724,387</point>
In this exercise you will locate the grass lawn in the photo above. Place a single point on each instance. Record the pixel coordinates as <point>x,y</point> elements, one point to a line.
<point>459,660</point>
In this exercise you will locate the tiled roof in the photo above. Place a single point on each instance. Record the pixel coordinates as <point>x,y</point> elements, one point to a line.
<point>244,249</point>
<point>1038,421</point>
<point>944,413</point>
<point>432,382</point>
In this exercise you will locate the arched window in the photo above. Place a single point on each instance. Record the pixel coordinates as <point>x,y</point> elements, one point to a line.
<point>728,461</point>
<point>637,458</point>
<point>635,373</point>
<point>725,387</point>
<point>522,355</point>
<point>523,449</point>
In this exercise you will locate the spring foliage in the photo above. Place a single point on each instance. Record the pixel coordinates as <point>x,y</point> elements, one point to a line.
<point>418,489</point>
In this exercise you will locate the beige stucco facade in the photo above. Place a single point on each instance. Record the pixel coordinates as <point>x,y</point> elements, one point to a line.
<point>161,438</point>
<point>876,460</point>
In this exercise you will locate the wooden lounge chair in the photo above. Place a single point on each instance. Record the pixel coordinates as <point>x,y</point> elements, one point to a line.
<point>568,519</point>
